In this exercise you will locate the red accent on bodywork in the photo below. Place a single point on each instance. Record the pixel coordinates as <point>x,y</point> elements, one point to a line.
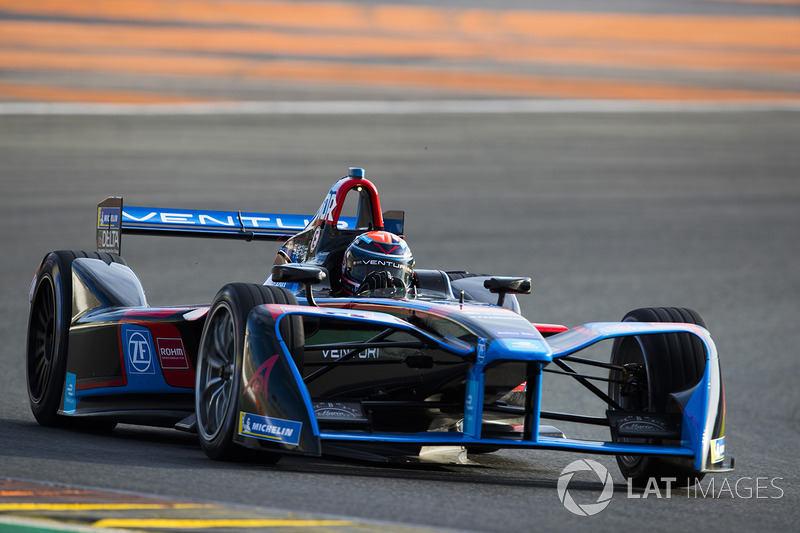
<point>340,190</point>
<point>551,328</point>
<point>277,310</point>
<point>261,376</point>
<point>162,312</point>
<point>174,377</point>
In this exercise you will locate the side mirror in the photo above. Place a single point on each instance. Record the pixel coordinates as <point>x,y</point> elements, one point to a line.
<point>294,273</point>
<point>504,285</point>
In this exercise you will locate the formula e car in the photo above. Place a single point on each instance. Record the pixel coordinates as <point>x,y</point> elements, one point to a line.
<point>291,367</point>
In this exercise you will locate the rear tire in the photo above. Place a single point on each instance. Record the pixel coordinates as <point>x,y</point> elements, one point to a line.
<point>48,338</point>
<point>671,363</point>
<point>219,366</point>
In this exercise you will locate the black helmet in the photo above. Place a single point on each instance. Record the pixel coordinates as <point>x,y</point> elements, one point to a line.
<point>376,251</point>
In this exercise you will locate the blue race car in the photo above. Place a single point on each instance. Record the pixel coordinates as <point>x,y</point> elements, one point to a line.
<point>349,350</point>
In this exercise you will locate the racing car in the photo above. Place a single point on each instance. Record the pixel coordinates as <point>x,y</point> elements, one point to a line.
<point>326,358</point>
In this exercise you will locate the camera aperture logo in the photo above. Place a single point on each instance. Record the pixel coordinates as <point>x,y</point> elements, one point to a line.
<point>586,509</point>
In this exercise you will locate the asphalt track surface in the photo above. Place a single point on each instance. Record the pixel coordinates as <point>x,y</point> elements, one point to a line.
<point>607,212</point>
<point>626,153</point>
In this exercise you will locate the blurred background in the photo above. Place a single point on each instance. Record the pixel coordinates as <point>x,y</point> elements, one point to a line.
<point>214,51</point>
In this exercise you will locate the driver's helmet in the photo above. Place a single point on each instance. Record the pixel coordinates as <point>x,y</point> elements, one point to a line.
<point>376,251</point>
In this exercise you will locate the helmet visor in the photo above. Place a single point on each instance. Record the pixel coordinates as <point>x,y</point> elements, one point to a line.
<point>361,268</point>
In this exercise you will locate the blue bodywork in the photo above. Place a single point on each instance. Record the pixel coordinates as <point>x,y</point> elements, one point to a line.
<point>700,415</point>
<point>149,354</point>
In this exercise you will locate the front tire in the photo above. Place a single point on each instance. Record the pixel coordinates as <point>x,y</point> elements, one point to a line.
<point>219,367</point>
<point>666,364</point>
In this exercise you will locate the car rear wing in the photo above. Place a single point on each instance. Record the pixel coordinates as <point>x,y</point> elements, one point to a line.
<point>113,220</point>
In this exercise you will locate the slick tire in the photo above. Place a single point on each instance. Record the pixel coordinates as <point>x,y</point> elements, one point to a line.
<point>673,362</point>
<point>48,338</point>
<point>219,366</point>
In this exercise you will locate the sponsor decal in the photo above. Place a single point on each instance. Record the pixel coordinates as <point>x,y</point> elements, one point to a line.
<point>171,353</point>
<point>108,240</point>
<point>315,238</point>
<point>300,251</point>
<point>642,426</point>
<point>523,344</point>
<point>718,450</point>
<point>339,411</point>
<point>108,217</point>
<point>472,405</point>
<point>518,333</point>
<point>328,207</point>
<point>380,262</point>
<point>70,402</point>
<point>369,353</point>
<point>267,428</point>
<point>228,219</point>
<point>499,317</point>
<point>108,228</point>
<point>481,357</point>
<point>138,347</point>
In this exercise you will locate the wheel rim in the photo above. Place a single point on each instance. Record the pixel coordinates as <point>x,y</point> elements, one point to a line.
<point>215,375</point>
<point>632,353</point>
<point>41,340</point>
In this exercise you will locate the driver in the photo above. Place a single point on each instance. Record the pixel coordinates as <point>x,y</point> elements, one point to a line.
<point>376,260</point>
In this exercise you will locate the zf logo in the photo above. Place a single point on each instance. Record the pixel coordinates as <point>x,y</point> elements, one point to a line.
<point>139,353</point>
<point>139,347</point>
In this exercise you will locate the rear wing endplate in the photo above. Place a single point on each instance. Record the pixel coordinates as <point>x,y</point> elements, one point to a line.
<point>109,225</point>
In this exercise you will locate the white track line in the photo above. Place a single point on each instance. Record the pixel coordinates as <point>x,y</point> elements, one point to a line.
<point>386,107</point>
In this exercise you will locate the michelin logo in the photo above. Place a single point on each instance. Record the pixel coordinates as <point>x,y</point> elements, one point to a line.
<point>108,217</point>
<point>274,429</point>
